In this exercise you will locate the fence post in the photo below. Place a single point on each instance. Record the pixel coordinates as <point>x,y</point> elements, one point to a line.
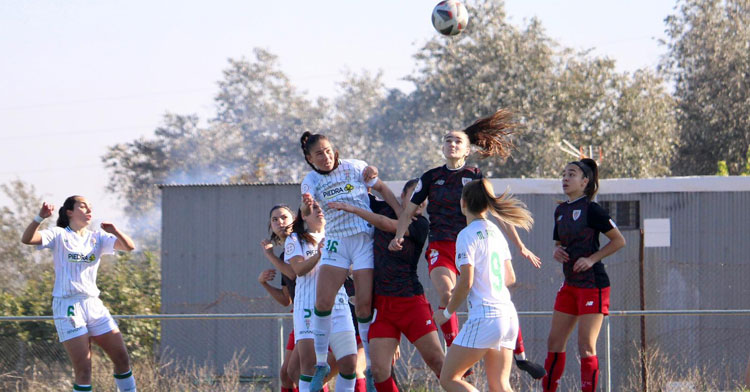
<point>607,350</point>
<point>280,321</point>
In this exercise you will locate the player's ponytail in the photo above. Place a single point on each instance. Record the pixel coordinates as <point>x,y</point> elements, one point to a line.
<point>63,220</point>
<point>593,186</point>
<point>298,226</point>
<point>492,134</point>
<point>479,196</point>
<point>308,141</point>
<point>591,171</point>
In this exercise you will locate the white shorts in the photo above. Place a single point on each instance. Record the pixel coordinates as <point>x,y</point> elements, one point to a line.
<point>341,321</point>
<point>77,316</point>
<point>493,333</point>
<point>355,250</point>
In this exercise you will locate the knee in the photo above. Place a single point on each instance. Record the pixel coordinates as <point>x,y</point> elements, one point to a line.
<point>364,309</point>
<point>586,350</point>
<point>381,371</point>
<point>348,364</point>
<point>323,303</point>
<point>435,361</point>
<point>555,343</point>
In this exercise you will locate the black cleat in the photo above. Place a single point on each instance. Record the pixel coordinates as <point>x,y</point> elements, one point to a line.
<point>535,370</point>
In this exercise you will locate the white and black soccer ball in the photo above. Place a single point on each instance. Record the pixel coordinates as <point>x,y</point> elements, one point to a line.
<point>449,17</point>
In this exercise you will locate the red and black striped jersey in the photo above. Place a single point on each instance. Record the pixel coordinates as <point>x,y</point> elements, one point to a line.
<point>395,273</point>
<point>443,187</point>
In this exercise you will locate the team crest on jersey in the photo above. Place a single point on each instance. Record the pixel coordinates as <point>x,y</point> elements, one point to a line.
<point>576,214</point>
<point>465,180</point>
<point>559,218</point>
<point>305,188</point>
<point>93,241</point>
<point>289,248</point>
<point>440,182</point>
<point>418,187</point>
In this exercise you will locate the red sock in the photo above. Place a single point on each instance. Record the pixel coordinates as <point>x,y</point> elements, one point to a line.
<point>554,365</point>
<point>360,385</point>
<point>450,329</point>
<point>519,343</point>
<point>386,386</point>
<point>589,373</point>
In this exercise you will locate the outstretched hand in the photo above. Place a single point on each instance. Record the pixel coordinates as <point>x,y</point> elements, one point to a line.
<point>396,244</point>
<point>46,210</point>
<point>267,275</point>
<point>369,174</point>
<point>531,257</point>
<point>266,245</point>
<point>337,205</point>
<point>109,227</point>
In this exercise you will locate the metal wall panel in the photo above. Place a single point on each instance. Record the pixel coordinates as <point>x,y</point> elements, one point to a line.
<point>212,257</point>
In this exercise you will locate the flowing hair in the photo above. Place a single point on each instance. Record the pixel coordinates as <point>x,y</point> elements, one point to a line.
<point>63,220</point>
<point>479,196</point>
<point>492,134</point>
<point>298,226</point>
<point>308,141</point>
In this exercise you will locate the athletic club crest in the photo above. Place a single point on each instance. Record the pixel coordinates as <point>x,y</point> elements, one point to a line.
<point>465,180</point>
<point>576,214</point>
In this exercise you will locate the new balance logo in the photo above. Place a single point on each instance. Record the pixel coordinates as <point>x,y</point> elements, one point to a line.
<point>589,303</point>
<point>428,322</point>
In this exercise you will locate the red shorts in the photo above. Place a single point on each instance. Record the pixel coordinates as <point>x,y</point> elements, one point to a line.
<point>290,341</point>
<point>578,300</point>
<point>411,316</point>
<point>441,254</point>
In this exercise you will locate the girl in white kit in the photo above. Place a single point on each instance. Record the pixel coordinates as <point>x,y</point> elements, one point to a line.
<point>484,261</point>
<point>302,252</point>
<point>80,316</point>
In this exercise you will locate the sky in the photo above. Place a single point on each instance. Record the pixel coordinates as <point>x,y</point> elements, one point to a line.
<point>80,76</point>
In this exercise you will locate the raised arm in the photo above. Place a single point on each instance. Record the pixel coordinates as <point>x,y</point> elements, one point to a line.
<point>370,177</point>
<point>279,264</point>
<point>381,222</point>
<point>510,231</point>
<point>302,266</point>
<point>280,295</point>
<point>31,235</point>
<point>404,219</point>
<point>124,242</point>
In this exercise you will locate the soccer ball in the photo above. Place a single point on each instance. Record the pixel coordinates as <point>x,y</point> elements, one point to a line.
<point>449,17</point>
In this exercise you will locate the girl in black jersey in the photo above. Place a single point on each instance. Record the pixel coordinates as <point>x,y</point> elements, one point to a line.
<point>443,186</point>
<point>398,299</point>
<point>583,298</point>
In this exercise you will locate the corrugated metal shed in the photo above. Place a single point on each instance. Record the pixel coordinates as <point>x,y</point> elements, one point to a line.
<point>211,260</point>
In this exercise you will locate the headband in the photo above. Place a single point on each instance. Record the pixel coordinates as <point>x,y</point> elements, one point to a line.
<point>587,172</point>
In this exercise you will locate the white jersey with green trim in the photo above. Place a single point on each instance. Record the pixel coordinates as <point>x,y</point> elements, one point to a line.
<point>344,184</point>
<point>306,285</point>
<point>76,259</point>
<point>482,245</point>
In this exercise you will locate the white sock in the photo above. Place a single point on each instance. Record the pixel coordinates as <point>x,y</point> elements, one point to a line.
<point>125,382</point>
<point>344,384</point>
<point>304,383</point>
<point>521,356</point>
<point>321,326</point>
<point>77,387</point>
<point>364,329</point>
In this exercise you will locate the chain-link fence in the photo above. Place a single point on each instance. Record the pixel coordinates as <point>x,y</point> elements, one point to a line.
<point>685,350</point>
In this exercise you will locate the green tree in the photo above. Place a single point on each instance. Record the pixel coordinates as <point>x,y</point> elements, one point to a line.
<point>709,62</point>
<point>556,93</point>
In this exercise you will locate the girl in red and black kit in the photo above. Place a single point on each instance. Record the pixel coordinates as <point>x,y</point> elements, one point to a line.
<point>399,301</point>
<point>584,296</point>
<point>443,186</point>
